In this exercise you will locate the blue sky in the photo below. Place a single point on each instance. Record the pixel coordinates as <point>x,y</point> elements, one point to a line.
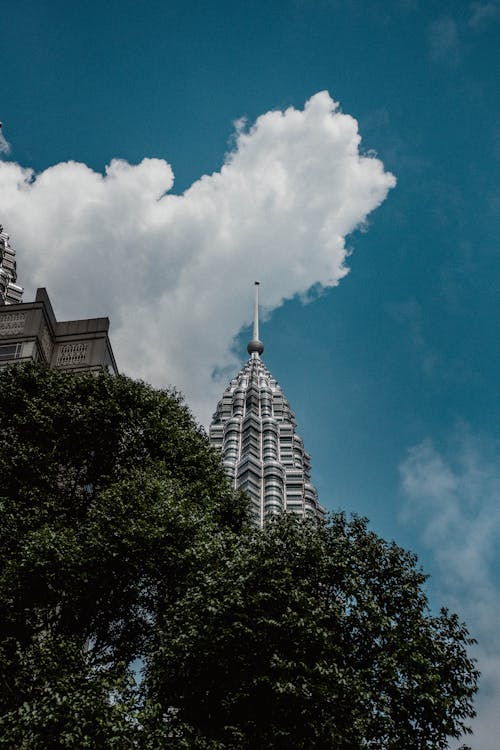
<point>392,369</point>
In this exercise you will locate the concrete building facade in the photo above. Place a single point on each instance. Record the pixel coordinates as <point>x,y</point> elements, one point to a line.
<point>30,331</point>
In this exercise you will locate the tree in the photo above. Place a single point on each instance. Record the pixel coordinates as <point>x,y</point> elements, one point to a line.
<point>307,636</point>
<point>141,610</point>
<point>107,487</point>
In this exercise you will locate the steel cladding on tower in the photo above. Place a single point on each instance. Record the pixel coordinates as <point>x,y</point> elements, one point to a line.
<point>254,427</point>
<point>10,292</point>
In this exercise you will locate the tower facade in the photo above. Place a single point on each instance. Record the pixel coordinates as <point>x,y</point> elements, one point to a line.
<point>10,292</point>
<point>254,428</point>
<point>30,330</point>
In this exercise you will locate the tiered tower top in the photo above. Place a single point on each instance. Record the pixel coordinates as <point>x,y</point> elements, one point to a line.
<point>30,330</point>
<point>10,292</point>
<point>254,427</point>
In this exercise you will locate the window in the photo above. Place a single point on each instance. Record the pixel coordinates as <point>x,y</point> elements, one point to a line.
<point>10,351</point>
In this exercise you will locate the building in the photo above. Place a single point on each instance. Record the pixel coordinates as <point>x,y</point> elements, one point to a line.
<point>254,428</point>
<point>30,331</point>
<point>10,292</point>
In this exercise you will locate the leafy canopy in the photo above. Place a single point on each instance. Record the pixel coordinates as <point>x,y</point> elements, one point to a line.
<point>313,637</point>
<point>107,487</point>
<point>142,611</point>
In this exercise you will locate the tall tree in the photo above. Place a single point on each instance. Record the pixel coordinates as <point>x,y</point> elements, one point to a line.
<point>121,545</point>
<point>107,487</point>
<point>306,636</point>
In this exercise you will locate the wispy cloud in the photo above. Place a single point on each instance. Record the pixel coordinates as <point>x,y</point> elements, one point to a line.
<point>453,498</point>
<point>175,272</point>
<point>484,14</point>
<point>4,145</point>
<point>444,42</point>
<point>448,37</point>
<point>409,313</point>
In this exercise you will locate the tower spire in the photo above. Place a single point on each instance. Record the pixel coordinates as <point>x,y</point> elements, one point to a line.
<point>255,345</point>
<point>254,428</point>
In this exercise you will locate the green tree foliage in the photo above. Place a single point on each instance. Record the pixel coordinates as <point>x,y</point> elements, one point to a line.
<point>313,637</point>
<point>121,541</point>
<point>107,487</point>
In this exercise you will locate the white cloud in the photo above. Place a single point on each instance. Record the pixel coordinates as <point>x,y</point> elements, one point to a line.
<point>4,145</point>
<point>444,40</point>
<point>409,313</point>
<point>454,499</point>
<point>175,272</point>
<point>484,14</point>
<point>446,36</point>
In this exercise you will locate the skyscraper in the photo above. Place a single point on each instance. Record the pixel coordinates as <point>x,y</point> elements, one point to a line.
<point>30,331</point>
<point>10,292</point>
<point>254,427</point>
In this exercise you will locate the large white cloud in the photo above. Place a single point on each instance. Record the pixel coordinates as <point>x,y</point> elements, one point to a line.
<point>453,497</point>
<point>175,272</point>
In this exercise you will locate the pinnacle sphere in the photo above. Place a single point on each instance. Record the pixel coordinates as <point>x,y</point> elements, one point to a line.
<point>255,346</point>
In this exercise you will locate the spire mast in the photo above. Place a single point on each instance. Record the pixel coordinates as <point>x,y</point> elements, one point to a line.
<point>256,313</point>
<point>255,346</point>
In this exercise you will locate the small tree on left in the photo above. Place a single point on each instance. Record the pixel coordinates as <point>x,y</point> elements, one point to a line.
<point>107,487</point>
